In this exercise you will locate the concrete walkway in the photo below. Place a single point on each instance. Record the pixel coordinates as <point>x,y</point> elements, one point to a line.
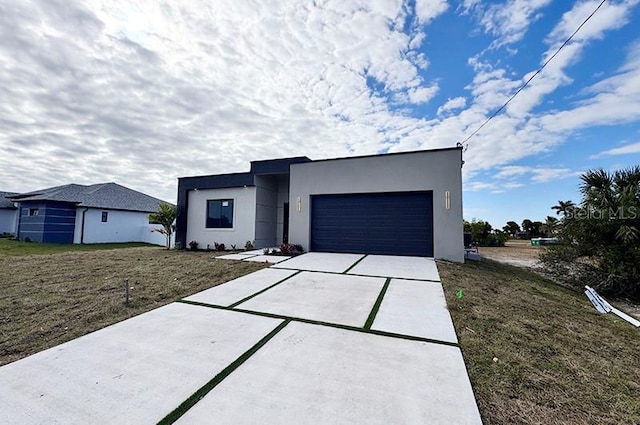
<point>318,338</point>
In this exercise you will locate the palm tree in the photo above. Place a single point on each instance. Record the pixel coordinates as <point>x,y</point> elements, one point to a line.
<point>165,216</point>
<point>616,197</point>
<point>550,226</point>
<point>598,189</point>
<point>601,237</point>
<point>563,207</point>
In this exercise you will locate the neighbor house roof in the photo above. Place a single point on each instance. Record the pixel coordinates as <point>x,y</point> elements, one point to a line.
<point>103,195</point>
<point>4,202</point>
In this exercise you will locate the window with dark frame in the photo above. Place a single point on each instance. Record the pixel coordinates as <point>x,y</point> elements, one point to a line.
<point>33,211</point>
<point>219,214</point>
<point>105,216</point>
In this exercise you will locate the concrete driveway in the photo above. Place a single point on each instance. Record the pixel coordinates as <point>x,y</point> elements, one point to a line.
<point>315,339</point>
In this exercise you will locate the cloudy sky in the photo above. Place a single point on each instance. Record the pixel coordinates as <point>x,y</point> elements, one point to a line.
<point>142,92</point>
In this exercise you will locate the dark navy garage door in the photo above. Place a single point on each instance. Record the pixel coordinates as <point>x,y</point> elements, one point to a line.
<point>373,223</point>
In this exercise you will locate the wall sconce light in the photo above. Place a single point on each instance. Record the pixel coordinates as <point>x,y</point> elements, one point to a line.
<point>447,200</point>
<point>299,204</point>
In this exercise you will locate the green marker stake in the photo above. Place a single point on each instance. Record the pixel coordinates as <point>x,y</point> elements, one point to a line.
<point>460,294</point>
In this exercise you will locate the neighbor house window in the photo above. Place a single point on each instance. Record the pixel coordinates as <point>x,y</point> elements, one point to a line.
<point>105,216</point>
<point>33,211</point>
<point>220,214</point>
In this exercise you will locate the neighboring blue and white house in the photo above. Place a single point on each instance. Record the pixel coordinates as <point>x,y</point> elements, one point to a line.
<point>401,203</point>
<point>8,214</point>
<point>99,213</point>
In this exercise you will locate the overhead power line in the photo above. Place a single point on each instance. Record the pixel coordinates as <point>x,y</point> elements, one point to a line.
<point>532,77</point>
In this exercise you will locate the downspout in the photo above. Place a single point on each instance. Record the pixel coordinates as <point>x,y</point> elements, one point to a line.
<point>18,220</point>
<point>82,228</point>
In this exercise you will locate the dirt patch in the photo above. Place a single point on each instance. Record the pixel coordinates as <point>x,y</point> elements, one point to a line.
<point>50,299</point>
<point>516,253</point>
<point>538,353</point>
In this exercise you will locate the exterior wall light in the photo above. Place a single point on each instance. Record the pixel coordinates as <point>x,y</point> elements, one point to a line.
<point>447,200</point>
<point>299,204</point>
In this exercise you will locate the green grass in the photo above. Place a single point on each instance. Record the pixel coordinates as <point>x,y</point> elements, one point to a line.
<point>539,353</point>
<point>16,248</point>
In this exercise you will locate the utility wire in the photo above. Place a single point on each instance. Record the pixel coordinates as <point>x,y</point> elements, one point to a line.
<point>532,77</point>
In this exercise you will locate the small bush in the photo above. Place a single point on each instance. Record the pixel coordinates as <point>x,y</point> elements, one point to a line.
<point>193,245</point>
<point>219,246</point>
<point>285,249</point>
<point>248,246</point>
<point>291,249</point>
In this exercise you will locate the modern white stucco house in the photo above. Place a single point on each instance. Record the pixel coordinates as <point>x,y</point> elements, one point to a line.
<point>8,213</point>
<point>99,213</point>
<point>402,203</point>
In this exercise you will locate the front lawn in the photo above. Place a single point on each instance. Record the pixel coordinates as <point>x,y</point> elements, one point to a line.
<point>538,353</point>
<point>11,247</point>
<point>46,300</point>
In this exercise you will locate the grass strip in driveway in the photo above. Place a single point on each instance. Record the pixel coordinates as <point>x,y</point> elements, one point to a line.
<point>263,290</point>
<point>206,388</point>
<point>354,264</point>
<point>376,306</point>
<point>321,323</point>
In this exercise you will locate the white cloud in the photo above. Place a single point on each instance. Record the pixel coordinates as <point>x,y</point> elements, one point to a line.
<point>613,100</point>
<point>163,89</point>
<point>633,148</point>
<point>512,171</point>
<point>544,175</point>
<point>452,104</point>
<point>475,186</point>
<point>518,132</point>
<point>609,16</point>
<point>534,174</point>
<point>420,95</point>
<point>144,91</point>
<point>509,21</point>
<point>427,10</point>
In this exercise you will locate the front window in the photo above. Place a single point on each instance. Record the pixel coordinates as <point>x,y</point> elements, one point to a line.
<point>105,216</point>
<point>220,214</point>
<point>33,211</point>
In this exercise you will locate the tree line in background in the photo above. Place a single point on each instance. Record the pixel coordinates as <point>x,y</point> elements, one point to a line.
<point>483,233</point>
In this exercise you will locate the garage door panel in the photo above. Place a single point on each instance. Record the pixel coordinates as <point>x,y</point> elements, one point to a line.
<point>376,223</point>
